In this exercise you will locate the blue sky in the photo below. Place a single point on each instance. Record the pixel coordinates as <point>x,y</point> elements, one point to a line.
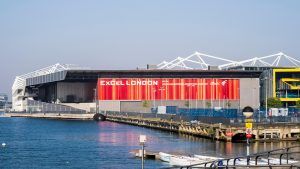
<point>127,34</point>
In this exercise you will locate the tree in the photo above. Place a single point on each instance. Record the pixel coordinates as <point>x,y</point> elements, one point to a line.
<point>187,104</point>
<point>228,104</point>
<point>274,102</point>
<point>298,104</point>
<point>208,104</point>
<point>145,104</point>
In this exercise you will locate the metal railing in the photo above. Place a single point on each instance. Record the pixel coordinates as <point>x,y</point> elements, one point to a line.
<point>34,106</point>
<point>279,153</point>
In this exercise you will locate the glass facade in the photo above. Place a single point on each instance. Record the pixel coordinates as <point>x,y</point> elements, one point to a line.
<point>3,100</point>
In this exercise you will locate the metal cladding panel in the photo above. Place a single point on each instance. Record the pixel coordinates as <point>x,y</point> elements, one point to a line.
<point>93,75</point>
<point>47,78</point>
<point>168,89</point>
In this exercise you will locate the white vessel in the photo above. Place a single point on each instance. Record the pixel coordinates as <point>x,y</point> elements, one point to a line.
<point>165,156</point>
<point>198,159</point>
<point>206,158</point>
<point>184,160</point>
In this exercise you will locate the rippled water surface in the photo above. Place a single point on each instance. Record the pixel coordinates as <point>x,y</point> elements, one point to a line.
<point>42,143</point>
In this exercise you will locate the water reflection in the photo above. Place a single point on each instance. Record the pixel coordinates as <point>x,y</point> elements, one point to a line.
<point>116,135</point>
<point>126,135</point>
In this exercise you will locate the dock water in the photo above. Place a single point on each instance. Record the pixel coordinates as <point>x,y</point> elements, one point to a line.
<point>215,131</point>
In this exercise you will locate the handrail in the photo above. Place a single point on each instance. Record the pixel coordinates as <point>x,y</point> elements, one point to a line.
<point>236,166</point>
<point>256,155</point>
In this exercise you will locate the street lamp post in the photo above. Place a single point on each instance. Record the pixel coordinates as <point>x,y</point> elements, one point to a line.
<point>211,98</point>
<point>266,86</point>
<point>248,112</point>
<point>196,97</point>
<point>190,96</point>
<point>254,101</point>
<point>95,98</point>
<point>189,99</point>
<point>161,89</point>
<point>154,98</point>
<point>142,143</point>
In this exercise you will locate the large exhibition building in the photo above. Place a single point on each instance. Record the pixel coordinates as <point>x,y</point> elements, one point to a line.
<point>169,87</point>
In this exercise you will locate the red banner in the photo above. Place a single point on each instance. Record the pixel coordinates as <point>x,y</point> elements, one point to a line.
<point>168,89</point>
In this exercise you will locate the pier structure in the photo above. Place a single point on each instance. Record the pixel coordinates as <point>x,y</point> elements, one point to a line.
<point>219,131</point>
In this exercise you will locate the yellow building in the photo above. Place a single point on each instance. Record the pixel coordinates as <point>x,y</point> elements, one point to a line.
<point>286,85</point>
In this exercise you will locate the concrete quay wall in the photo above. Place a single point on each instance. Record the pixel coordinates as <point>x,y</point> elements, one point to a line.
<point>218,131</point>
<point>70,116</point>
